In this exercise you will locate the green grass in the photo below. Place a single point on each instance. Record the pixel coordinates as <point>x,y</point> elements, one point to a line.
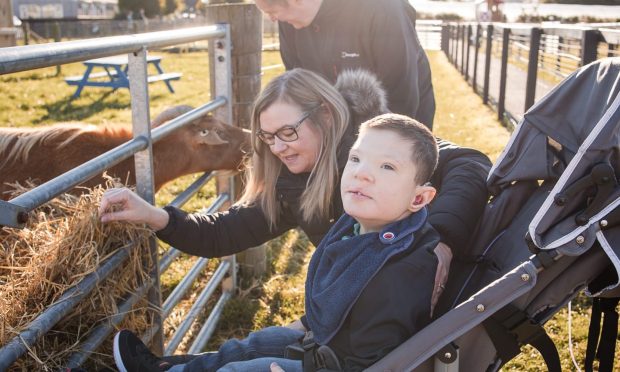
<point>41,97</point>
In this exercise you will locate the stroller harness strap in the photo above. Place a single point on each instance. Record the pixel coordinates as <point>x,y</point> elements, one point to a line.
<point>314,357</point>
<point>605,347</point>
<point>510,327</point>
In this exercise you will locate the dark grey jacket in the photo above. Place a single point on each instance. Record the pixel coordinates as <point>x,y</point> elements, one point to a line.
<point>378,36</point>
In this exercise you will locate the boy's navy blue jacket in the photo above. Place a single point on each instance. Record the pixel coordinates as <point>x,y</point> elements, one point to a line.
<point>377,35</point>
<point>367,294</point>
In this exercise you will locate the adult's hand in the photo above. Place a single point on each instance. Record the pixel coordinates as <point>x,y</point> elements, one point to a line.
<point>124,205</point>
<point>444,257</point>
<point>275,367</point>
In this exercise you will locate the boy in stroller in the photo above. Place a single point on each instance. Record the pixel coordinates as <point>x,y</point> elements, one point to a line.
<point>551,229</point>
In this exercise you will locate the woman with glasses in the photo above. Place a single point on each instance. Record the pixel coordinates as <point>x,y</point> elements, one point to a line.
<point>302,130</point>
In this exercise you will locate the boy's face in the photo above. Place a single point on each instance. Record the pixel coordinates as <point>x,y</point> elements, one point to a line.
<point>378,183</point>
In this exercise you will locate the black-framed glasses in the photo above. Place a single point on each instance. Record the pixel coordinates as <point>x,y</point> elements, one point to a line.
<point>287,133</point>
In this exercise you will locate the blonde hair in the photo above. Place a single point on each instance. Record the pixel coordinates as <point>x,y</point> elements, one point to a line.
<point>307,90</point>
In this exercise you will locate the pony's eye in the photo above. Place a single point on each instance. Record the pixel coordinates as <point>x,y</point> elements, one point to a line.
<point>204,132</point>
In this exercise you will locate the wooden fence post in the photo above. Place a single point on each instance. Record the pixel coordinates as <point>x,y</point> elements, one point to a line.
<point>7,32</point>
<point>246,25</point>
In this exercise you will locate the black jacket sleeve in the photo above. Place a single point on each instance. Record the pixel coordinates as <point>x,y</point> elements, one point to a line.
<point>220,234</point>
<point>460,178</point>
<point>396,62</point>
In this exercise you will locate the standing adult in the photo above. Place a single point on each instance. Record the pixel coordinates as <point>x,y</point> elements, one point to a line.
<point>329,36</point>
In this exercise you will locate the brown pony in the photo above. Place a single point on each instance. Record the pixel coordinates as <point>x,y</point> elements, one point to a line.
<point>40,154</point>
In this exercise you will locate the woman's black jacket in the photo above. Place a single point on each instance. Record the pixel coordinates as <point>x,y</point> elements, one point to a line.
<point>460,179</point>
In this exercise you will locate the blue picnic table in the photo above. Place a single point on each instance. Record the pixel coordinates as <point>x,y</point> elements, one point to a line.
<point>115,74</point>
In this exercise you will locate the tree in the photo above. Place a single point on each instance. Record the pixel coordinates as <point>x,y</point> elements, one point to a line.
<point>170,6</point>
<point>151,7</point>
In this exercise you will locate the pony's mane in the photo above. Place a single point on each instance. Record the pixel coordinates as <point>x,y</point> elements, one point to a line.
<point>16,143</point>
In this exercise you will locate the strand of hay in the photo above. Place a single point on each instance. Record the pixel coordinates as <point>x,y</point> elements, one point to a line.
<point>61,244</point>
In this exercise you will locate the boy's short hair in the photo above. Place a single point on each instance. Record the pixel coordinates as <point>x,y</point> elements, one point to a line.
<point>424,151</point>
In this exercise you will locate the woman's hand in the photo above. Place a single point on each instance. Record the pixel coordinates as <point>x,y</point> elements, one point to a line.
<point>125,205</point>
<point>444,257</point>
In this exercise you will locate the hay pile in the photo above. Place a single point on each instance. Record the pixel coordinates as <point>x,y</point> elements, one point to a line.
<point>63,242</point>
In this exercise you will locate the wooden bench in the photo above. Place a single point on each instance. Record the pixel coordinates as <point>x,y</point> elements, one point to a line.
<point>166,76</point>
<point>75,80</point>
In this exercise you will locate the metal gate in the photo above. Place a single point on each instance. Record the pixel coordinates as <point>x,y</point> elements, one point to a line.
<point>14,213</point>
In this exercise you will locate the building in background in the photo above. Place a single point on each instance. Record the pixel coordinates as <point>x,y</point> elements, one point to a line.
<point>65,9</point>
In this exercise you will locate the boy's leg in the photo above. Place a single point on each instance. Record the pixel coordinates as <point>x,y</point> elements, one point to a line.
<point>269,343</point>
<point>255,365</point>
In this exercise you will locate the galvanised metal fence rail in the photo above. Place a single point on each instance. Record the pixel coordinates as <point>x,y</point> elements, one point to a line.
<point>513,65</point>
<point>14,213</point>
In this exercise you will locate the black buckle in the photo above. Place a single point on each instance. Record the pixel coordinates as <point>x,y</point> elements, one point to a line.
<point>294,352</point>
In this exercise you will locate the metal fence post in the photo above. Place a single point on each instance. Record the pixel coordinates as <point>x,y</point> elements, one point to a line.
<point>453,43</point>
<point>469,34</point>
<point>589,46</point>
<point>463,46</point>
<point>487,64</point>
<point>453,32</point>
<point>532,68</point>
<point>558,58</point>
<point>476,51</point>
<point>502,77</point>
<point>457,50</point>
<point>222,75</point>
<point>445,39</point>
<point>57,39</point>
<point>145,180</point>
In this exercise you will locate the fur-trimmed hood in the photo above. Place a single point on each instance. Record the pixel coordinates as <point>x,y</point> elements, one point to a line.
<point>364,94</point>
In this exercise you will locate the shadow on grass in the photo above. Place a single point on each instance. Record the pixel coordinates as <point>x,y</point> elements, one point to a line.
<point>67,110</point>
<point>296,248</point>
<point>35,76</point>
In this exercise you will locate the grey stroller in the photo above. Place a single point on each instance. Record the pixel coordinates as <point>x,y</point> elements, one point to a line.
<point>550,230</point>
